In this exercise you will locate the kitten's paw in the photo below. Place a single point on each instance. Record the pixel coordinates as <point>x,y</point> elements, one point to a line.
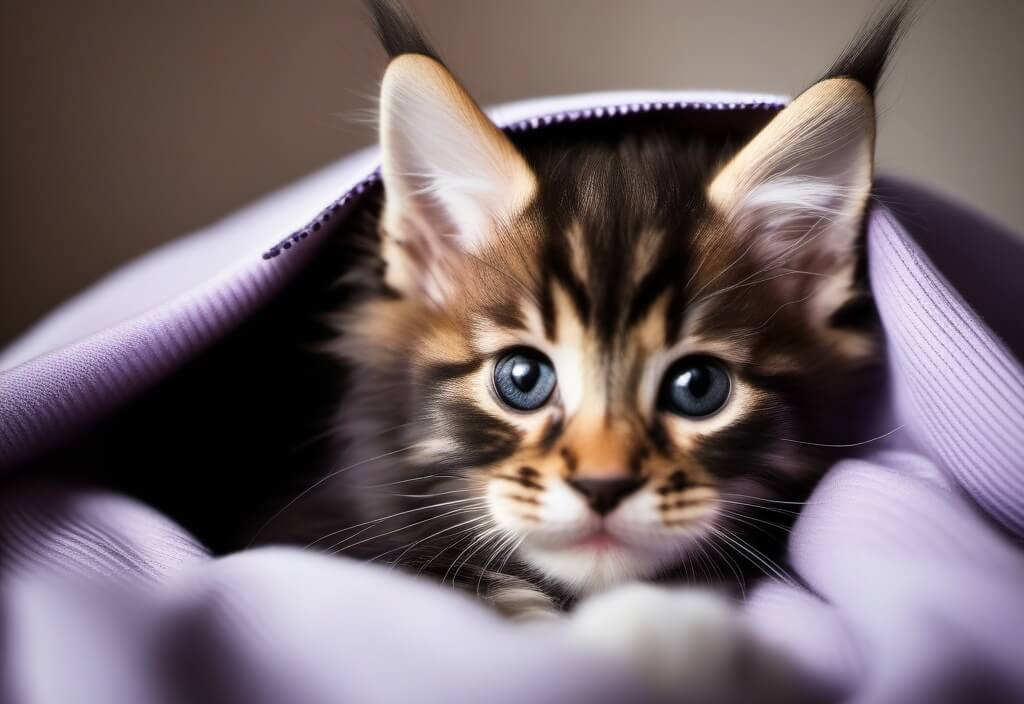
<point>689,644</point>
<point>518,600</point>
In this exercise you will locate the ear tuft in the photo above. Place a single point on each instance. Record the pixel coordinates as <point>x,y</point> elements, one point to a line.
<point>397,31</point>
<point>865,58</point>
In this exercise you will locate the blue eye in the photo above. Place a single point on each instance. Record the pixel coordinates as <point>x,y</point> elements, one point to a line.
<point>694,387</point>
<point>524,379</point>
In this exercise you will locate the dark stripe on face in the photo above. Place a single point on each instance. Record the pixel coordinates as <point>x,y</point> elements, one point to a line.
<point>552,431</point>
<point>676,482</point>
<point>858,312</point>
<point>637,459</point>
<point>674,314</point>
<point>435,374</point>
<point>481,438</point>
<point>742,447</point>
<point>651,286</point>
<point>608,268</point>
<point>780,385</point>
<point>525,480</point>
<point>556,269</point>
<point>570,459</point>
<point>507,315</point>
<point>547,309</point>
<point>660,437</point>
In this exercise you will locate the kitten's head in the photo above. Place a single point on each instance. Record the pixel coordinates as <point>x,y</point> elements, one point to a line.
<point>610,350</point>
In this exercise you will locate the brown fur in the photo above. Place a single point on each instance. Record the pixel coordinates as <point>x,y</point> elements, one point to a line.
<point>422,396</point>
<point>615,252</point>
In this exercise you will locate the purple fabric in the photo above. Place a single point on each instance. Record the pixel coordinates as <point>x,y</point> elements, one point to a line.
<point>269,625</point>
<point>909,560</point>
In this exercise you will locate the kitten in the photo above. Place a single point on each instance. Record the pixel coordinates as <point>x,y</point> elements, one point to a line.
<point>605,355</point>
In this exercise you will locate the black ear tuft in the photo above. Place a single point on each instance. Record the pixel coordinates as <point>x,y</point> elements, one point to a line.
<point>865,57</point>
<point>397,30</point>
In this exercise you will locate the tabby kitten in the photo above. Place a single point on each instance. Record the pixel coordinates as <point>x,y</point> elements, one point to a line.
<point>585,363</point>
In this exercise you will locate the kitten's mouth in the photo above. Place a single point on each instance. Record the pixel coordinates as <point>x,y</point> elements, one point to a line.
<point>595,560</point>
<point>599,540</point>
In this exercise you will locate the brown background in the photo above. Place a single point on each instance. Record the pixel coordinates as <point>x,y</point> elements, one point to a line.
<point>126,123</point>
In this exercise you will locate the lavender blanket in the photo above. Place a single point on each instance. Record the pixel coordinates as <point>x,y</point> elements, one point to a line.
<point>908,562</point>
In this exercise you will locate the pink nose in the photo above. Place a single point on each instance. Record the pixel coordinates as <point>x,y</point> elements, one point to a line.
<point>603,495</point>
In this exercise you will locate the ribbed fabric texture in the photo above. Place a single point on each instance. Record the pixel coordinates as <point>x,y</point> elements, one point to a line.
<point>926,588</point>
<point>916,595</point>
<point>959,389</point>
<point>49,528</point>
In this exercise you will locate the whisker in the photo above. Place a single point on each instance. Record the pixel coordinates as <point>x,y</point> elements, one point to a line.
<point>511,540</point>
<point>716,566</point>
<point>398,559</point>
<point>733,567</point>
<point>498,536</point>
<point>777,259</point>
<point>748,521</point>
<point>851,444</point>
<point>742,284</point>
<point>406,481</point>
<point>341,547</point>
<point>526,290</point>
<point>433,496</point>
<point>758,506</point>
<point>483,536</point>
<point>471,533</point>
<point>501,568</point>
<point>379,519</point>
<point>686,563</point>
<point>336,428</point>
<point>784,305</point>
<point>755,555</point>
<point>766,500</point>
<point>321,481</point>
<point>721,271</point>
<point>706,567</point>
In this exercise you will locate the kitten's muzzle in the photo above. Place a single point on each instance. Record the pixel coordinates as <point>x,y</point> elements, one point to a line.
<point>603,495</point>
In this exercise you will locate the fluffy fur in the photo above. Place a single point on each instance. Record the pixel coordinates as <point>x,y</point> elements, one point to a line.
<point>614,254</point>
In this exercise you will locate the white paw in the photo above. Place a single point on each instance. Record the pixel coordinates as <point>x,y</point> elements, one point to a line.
<point>687,643</point>
<point>517,600</point>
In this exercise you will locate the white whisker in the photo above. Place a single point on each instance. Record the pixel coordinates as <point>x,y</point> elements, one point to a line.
<point>340,545</point>
<point>851,444</point>
<point>320,481</point>
<point>374,521</point>
<point>398,560</point>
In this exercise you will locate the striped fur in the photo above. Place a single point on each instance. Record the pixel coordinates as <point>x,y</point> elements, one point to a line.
<point>614,253</point>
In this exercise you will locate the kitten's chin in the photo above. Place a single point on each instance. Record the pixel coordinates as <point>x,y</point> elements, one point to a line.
<point>595,564</point>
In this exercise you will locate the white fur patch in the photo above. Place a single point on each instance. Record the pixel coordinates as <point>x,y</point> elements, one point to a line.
<point>689,645</point>
<point>641,544</point>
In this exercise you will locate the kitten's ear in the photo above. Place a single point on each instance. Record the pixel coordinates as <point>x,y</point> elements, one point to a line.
<point>799,189</point>
<point>451,177</point>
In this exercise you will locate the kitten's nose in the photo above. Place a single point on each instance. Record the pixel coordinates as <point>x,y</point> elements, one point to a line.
<point>603,495</point>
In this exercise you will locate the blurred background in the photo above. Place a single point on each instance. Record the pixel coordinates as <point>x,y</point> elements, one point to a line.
<point>128,123</point>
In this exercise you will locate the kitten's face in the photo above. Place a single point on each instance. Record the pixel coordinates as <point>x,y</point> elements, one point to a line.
<point>616,373</point>
<point>603,426</point>
<point>607,353</point>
